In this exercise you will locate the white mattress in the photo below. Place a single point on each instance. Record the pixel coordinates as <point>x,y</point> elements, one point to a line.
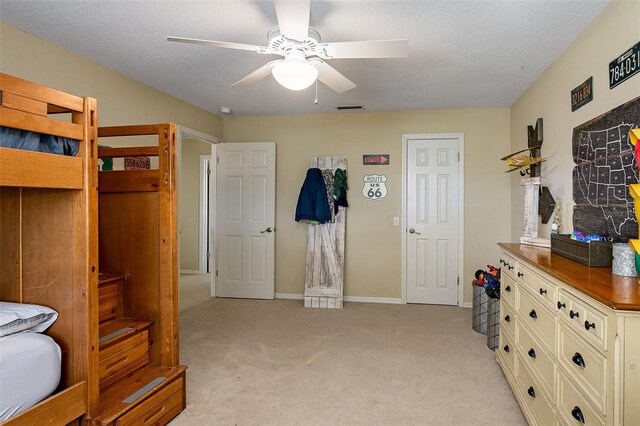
<point>29,371</point>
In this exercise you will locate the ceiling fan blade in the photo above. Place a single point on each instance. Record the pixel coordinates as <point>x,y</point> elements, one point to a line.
<point>225,44</point>
<point>332,78</point>
<point>257,75</point>
<point>368,49</point>
<point>293,18</point>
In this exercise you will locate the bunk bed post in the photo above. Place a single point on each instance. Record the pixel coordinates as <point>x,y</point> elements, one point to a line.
<point>86,262</point>
<point>168,250</point>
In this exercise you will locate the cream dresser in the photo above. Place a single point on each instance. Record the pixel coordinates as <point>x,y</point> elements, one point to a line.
<point>569,339</point>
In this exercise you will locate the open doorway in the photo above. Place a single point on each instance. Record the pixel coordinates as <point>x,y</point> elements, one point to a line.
<point>196,216</point>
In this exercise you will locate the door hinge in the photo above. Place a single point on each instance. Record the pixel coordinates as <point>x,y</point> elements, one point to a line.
<point>218,160</point>
<point>216,272</point>
<point>208,255</point>
<point>458,157</point>
<point>209,170</point>
<point>458,281</point>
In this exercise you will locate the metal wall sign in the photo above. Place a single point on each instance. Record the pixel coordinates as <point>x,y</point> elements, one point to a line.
<point>376,159</point>
<point>582,95</point>
<point>375,187</point>
<point>624,66</point>
<point>137,163</point>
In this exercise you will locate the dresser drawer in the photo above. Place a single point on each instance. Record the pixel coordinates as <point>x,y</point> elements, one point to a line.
<point>123,357</point>
<point>537,403</point>
<point>108,301</point>
<point>590,322</point>
<point>159,408</point>
<point>572,407</point>
<point>507,319</point>
<point>544,291</point>
<point>509,264</point>
<point>508,290</point>
<point>586,366</point>
<point>537,359</point>
<point>506,351</point>
<point>537,319</point>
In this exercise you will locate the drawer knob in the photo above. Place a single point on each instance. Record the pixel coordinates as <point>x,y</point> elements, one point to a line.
<point>531,392</point>
<point>532,353</point>
<point>509,266</point>
<point>506,348</point>
<point>533,314</point>
<point>501,262</point>
<point>588,325</point>
<point>508,288</point>
<point>520,274</point>
<point>578,360</point>
<point>543,291</point>
<point>577,414</point>
<point>574,314</point>
<point>561,305</point>
<point>507,318</point>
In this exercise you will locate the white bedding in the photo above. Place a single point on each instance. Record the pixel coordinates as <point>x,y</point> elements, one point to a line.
<point>29,371</point>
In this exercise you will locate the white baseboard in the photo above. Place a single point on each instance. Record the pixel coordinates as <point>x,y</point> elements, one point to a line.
<point>346,298</point>
<point>467,305</point>
<point>290,296</point>
<point>189,271</point>
<point>388,300</point>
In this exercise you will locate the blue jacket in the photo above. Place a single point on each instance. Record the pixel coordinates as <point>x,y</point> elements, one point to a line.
<point>312,201</point>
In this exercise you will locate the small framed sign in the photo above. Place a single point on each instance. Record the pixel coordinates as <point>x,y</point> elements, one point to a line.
<point>375,187</point>
<point>624,66</point>
<point>582,95</point>
<point>376,159</point>
<point>137,163</point>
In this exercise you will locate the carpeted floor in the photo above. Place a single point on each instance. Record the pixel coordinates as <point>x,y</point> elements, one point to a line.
<point>255,362</point>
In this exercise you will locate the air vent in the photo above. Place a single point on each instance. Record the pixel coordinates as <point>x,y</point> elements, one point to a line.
<point>350,108</point>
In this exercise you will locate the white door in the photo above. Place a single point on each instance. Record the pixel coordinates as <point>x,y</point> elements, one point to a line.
<point>432,219</point>
<point>246,220</point>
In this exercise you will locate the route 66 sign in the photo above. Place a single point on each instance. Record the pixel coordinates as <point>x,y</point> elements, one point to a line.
<point>375,187</point>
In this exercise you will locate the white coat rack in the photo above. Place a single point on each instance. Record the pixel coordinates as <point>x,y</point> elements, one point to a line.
<point>324,279</point>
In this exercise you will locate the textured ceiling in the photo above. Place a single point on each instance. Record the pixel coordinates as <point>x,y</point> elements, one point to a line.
<point>462,54</point>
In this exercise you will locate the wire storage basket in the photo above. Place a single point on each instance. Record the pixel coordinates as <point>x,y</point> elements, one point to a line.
<point>493,323</point>
<point>479,320</point>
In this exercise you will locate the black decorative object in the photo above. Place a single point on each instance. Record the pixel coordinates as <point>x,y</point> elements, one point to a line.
<point>535,138</point>
<point>605,166</point>
<point>546,204</point>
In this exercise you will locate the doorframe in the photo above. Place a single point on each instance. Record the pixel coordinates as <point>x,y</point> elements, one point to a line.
<point>186,132</point>
<point>403,219</point>
<point>206,174</point>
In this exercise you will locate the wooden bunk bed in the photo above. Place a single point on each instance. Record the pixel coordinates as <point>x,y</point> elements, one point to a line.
<point>48,237</point>
<point>138,289</point>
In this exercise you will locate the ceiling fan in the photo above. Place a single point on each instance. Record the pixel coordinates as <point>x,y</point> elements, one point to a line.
<point>304,56</point>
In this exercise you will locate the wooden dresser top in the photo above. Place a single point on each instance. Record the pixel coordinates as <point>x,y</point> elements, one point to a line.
<point>614,291</point>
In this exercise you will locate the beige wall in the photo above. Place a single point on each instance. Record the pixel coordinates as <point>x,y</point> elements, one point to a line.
<point>121,100</point>
<point>189,208</point>
<point>611,34</point>
<point>373,263</point>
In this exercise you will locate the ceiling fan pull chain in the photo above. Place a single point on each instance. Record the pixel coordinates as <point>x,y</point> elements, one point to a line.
<point>316,92</point>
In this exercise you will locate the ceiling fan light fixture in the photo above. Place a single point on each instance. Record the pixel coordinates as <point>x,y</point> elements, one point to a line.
<point>295,73</point>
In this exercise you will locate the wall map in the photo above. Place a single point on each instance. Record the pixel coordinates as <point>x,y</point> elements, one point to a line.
<point>605,166</point>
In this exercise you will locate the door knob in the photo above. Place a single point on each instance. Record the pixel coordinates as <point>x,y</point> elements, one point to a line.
<point>268,230</point>
<point>413,231</point>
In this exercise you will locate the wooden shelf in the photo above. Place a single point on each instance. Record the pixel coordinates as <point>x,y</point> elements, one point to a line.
<point>611,290</point>
<point>131,325</point>
<point>104,277</point>
<point>112,398</point>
